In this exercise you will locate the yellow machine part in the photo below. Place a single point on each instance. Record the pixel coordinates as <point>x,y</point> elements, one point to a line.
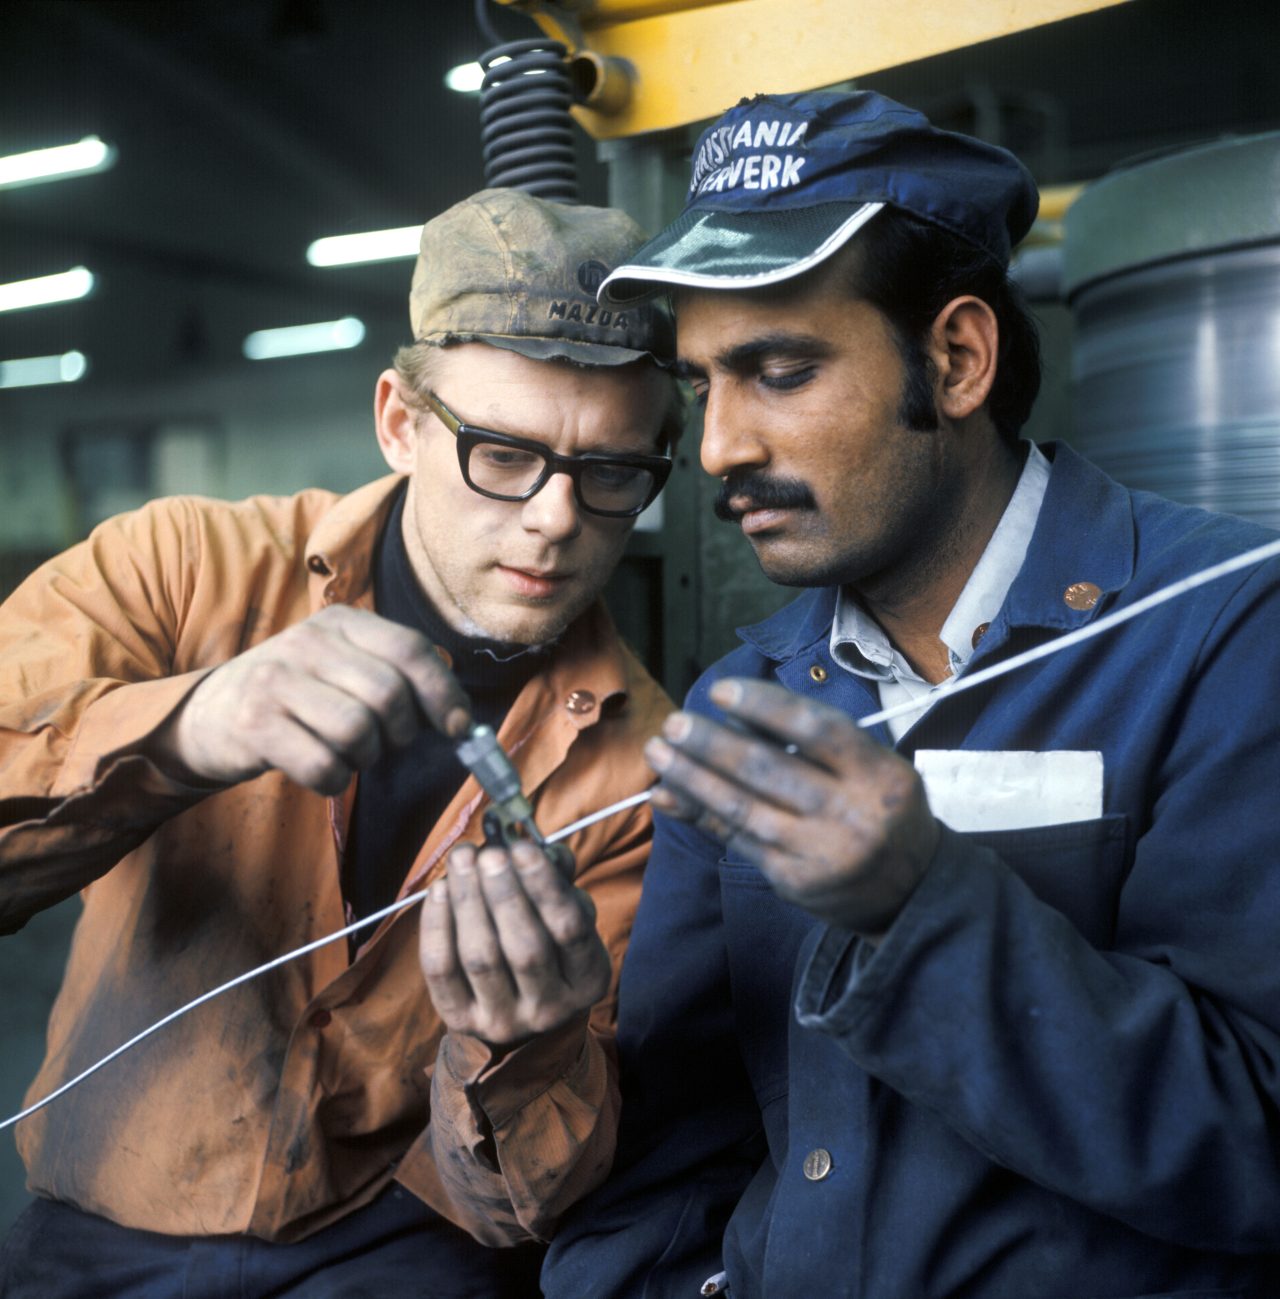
<point>680,61</point>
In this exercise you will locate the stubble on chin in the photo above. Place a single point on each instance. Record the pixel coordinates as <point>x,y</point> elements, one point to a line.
<point>801,576</point>
<point>523,629</point>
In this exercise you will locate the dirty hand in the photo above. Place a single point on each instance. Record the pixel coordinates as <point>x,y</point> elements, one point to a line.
<point>317,701</point>
<point>840,827</point>
<point>508,946</point>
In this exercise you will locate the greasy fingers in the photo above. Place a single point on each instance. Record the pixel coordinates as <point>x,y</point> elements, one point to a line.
<point>317,701</point>
<point>438,956</point>
<point>841,827</point>
<point>718,803</point>
<point>381,689</point>
<point>479,949</point>
<point>821,733</point>
<point>668,800</point>
<point>756,764</point>
<point>567,916</point>
<point>435,688</point>
<point>337,719</point>
<point>508,947</point>
<point>526,946</point>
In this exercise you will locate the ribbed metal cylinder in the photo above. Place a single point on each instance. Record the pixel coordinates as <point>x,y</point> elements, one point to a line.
<point>1173,273</point>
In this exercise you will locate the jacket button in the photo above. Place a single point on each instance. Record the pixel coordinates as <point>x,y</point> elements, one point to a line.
<point>580,701</point>
<point>317,565</point>
<point>817,1164</point>
<point>818,673</point>
<point>1082,595</point>
<point>321,1019</point>
<point>978,633</point>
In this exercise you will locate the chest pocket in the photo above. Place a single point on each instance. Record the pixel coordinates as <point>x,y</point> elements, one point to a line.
<point>1077,868</point>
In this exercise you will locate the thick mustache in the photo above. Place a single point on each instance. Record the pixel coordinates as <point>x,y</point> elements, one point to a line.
<point>762,493</point>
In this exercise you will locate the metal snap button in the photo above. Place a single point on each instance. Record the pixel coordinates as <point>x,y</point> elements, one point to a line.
<point>817,1164</point>
<point>580,701</point>
<point>1082,595</point>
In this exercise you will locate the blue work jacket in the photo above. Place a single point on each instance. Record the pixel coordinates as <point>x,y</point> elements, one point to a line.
<point>1057,1075</point>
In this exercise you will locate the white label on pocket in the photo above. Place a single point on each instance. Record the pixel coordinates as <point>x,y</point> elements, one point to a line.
<point>1011,790</point>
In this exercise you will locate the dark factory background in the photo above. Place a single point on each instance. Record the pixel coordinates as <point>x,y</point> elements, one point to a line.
<point>244,130</point>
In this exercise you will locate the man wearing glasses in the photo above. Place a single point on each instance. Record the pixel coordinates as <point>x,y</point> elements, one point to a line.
<point>188,697</point>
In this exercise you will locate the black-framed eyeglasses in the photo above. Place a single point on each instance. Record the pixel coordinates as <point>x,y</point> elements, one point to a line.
<point>508,468</point>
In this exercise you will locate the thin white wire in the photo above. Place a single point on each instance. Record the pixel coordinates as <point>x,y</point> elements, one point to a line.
<point>1105,623</point>
<point>373,919</point>
<point>620,806</point>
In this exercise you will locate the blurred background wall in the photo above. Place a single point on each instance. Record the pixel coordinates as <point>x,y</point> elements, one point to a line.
<point>243,130</point>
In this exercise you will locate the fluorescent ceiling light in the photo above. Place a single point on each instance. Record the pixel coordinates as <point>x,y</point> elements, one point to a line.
<point>33,370</point>
<point>89,155</point>
<point>66,287</point>
<point>297,340</point>
<point>465,78</point>
<point>372,246</point>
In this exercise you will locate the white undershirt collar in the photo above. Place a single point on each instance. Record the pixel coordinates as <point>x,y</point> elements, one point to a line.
<point>859,644</point>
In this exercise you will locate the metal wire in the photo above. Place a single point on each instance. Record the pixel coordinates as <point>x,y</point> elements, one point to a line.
<point>401,905</point>
<point>1250,557</point>
<point>1257,555</point>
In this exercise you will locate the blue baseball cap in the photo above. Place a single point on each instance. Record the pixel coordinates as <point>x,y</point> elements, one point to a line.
<point>781,182</point>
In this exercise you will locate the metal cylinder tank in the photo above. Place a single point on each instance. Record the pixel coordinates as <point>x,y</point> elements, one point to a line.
<point>1172,270</point>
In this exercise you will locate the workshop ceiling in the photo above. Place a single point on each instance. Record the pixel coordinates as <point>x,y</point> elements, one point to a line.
<point>247,128</point>
<point>244,129</point>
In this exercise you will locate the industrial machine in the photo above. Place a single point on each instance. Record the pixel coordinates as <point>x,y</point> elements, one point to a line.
<point>1172,269</point>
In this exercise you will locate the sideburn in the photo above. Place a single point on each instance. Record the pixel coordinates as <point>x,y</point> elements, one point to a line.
<point>917,409</point>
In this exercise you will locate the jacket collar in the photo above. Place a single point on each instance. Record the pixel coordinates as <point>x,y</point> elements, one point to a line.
<point>340,549</point>
<point>1084,535</point>
<point>796,626</point>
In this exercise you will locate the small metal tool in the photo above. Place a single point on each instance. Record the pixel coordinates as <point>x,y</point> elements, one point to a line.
<point>510,818</point>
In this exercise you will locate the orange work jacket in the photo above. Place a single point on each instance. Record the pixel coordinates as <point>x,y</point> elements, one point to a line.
<point>293,1099</point>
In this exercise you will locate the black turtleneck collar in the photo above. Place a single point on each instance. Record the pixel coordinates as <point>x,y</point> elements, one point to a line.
<point>481,665</point>
<point>403,794</point>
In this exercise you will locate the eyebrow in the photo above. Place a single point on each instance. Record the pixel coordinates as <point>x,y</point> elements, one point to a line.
<point>608,449</point>
<point>744,357</point>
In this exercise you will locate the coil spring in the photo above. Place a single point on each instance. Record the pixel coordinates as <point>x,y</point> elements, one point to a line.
<point>526,131</point>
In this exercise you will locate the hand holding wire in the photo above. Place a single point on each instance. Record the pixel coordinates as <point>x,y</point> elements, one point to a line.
<point>508,946</point>
<point>839,825</point>
<point>687,807</point>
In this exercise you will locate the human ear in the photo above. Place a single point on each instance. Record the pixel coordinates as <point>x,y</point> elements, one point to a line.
<point>964,344</point>
<point>396,423</point>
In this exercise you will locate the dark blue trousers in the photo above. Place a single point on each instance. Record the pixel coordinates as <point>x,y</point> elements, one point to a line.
<point>394,1248</point>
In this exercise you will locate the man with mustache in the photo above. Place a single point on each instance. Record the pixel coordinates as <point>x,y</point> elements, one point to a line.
<point>981,1000</point>
<point>231,725</point>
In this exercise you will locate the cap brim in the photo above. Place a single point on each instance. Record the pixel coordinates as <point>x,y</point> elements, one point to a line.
<point>551,349</point>
<point>715,249</point>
